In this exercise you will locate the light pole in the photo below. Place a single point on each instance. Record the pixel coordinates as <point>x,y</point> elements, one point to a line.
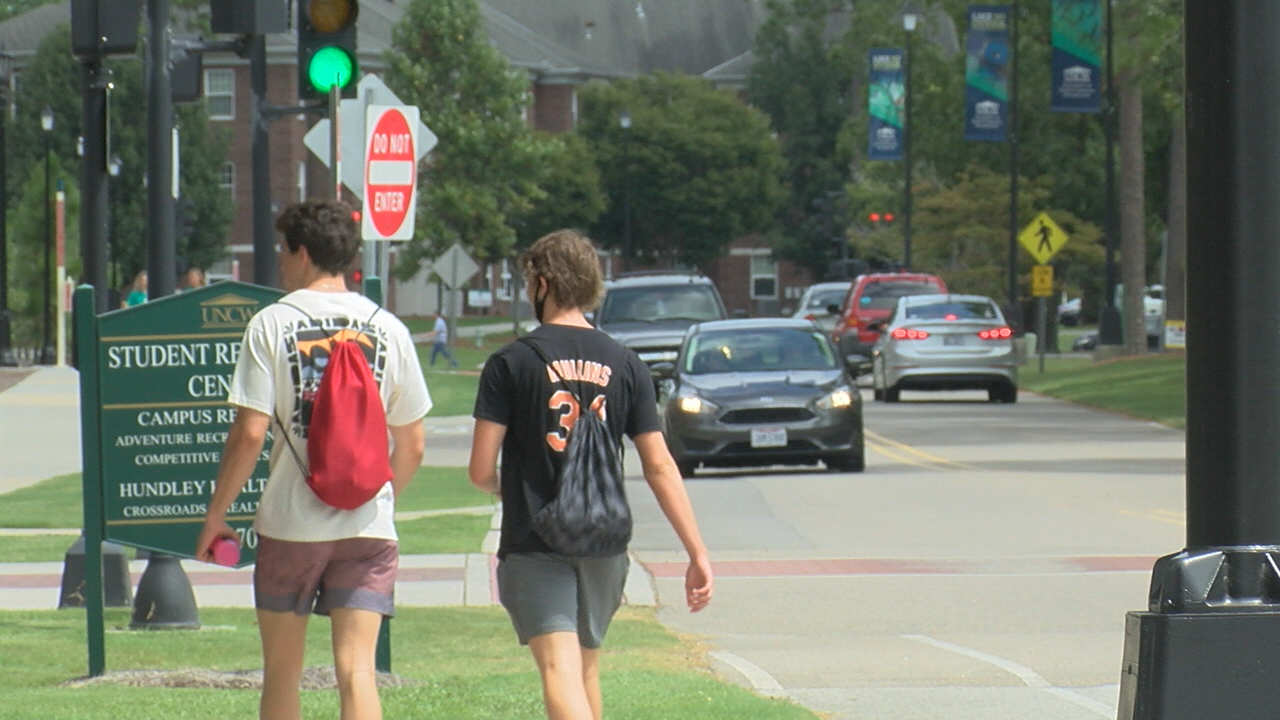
<point>624,121</point>
<point>6,355</point>
<point>46,124</point>
<point>909,25</point>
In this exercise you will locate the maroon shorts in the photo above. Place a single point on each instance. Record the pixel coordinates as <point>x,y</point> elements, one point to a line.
<point>307,577</point>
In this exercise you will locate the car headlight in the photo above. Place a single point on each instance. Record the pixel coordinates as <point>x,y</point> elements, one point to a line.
<point>695,405</point>
<point>835,400</point>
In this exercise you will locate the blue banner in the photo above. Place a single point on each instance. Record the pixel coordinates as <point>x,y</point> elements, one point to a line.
<point>1077,49</point>
<point>886,97</point>
<point>986,77</point>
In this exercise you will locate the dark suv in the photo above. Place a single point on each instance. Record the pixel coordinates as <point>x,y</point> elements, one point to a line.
<point>649,313</point>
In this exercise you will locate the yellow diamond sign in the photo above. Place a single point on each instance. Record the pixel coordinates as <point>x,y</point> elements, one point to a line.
<point>1042,238</point>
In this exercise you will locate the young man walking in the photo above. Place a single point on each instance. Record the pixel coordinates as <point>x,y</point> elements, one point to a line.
<point>561,606</point>
<point>440,341</point>
<point>314,558</point>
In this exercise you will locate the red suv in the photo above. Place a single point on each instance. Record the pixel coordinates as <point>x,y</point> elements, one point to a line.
<point>871,298</point>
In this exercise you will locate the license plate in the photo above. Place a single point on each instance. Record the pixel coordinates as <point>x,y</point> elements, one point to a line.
<point>953,339</point>
<point>768,437</point>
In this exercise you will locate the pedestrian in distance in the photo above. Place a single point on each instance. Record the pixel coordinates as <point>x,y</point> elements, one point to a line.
<point>311,556</point>
<point>138,290</point>
<point>440,341</point>
<point>561,606</point>
<point>194,278</point>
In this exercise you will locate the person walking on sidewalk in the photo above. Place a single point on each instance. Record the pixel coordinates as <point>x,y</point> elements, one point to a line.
<point>311,557</point>
<point>561,606</point>
<point>440,341</point>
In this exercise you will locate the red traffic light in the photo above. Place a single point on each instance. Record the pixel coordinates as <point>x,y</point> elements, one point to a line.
<point>874,217</point>
<point>357,276</point>
<point>888,217</point>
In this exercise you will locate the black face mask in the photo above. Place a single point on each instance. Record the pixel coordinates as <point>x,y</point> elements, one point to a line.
<point>538,303</point>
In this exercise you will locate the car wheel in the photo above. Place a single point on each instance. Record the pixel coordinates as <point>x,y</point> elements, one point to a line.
<point>686,468</point>
<point>995,394</point>
<point>877,393</point>
<point>1011,394</point>
<point>891,394</point>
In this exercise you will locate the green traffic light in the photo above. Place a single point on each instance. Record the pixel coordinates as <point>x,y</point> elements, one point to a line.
<point>330,66</point>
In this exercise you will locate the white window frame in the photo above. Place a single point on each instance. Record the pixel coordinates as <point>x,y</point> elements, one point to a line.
<point>769,273</point>
<point>214,91</point>
<point>227,178</point>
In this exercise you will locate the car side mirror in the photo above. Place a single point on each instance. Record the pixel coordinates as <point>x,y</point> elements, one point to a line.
<point>877,326</point>
<point>739,313</point>
<point>663,370</point>
<point>857,362</point>
<point>833,309</point>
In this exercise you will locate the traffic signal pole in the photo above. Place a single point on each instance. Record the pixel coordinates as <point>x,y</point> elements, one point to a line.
<point>161,251</point>
<point>265,268</point>
<point>1206,645</point>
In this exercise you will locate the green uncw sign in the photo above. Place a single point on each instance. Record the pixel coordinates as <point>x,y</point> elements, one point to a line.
<point>164,373</point>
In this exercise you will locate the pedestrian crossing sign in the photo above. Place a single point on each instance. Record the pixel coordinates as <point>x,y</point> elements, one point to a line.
<point>1042,238</point>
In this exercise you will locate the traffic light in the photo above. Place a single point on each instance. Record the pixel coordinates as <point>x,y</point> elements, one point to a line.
<point>876,218</point>
<point>327,48</point>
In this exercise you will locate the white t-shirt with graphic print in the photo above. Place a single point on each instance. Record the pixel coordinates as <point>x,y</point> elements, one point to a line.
<point>281,362</point>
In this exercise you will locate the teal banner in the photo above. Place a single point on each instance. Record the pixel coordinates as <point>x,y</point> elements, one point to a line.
<point>886,95</point>
<point>1076,83</point>
<point>987,74</point>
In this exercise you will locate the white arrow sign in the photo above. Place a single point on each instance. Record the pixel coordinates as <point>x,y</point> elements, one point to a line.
<point>369,91</point>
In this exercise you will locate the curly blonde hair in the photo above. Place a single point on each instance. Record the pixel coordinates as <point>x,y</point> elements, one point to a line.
<point>568,261</point>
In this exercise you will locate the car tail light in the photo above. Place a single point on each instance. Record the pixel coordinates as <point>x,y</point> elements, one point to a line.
<point>1003,333</point>
<point>909,334</point>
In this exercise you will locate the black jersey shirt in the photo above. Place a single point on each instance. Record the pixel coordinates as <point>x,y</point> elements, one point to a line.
<point>518,390</point>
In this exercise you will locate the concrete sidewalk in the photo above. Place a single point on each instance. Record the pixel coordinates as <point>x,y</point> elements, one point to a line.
<point>40,438</point>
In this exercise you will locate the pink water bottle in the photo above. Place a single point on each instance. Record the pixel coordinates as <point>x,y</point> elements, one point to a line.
<point>226,551</point>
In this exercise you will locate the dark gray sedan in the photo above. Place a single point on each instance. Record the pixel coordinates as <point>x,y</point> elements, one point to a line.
<point>760,392</point>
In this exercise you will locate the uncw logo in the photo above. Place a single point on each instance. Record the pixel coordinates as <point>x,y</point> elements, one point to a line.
<point>229,311</point>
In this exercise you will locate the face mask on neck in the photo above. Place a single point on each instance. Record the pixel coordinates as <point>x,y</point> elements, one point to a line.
<point>538,302</point>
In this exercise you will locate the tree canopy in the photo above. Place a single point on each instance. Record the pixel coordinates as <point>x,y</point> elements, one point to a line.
<point>699,166</point>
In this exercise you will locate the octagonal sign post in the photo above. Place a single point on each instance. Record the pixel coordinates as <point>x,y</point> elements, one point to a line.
<point>390,194</point>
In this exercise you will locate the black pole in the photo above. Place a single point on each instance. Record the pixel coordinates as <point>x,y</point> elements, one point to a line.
<point>626,191</point>
<point>46,356</point>
<point>6,355</point>
<point>1109,326</point>
<point>1015,307</point>
<point>1205,647</point>
<point>906,158</point>
<point>264,255</point>
<point>95,81</point>
<point>161,253</point>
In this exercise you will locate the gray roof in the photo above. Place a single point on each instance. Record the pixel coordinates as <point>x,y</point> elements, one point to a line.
<point>571,38</point>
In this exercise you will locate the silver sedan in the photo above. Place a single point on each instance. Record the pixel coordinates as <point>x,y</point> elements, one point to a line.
<point>945,342</point>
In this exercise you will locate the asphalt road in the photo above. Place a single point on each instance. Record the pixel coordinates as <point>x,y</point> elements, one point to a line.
<point>980,569</point>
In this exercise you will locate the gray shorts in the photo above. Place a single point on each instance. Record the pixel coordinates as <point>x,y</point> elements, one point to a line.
<point>307,577</point>
<point>546,592</point>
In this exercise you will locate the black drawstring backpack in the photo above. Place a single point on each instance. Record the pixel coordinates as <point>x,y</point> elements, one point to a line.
<point>589,515</point>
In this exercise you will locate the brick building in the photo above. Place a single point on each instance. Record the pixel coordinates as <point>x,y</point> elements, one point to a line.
<point>561,44</point>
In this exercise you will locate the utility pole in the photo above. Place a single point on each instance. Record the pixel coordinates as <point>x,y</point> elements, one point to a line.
<point>1205,645</point>
<point>161,251</point>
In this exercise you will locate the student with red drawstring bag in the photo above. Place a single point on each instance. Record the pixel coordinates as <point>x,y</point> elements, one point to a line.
<point>335,382</point>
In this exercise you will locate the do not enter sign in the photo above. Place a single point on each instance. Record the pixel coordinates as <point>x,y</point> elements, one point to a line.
<point>390,172</point>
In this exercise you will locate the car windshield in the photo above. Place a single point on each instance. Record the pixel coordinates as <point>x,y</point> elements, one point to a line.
<point>884,295</point>
<point>821,299</point>
<point>960,310</point>
<point>758,350</point>
<point>654,304</point>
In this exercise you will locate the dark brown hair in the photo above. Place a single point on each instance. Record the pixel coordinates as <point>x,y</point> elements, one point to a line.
<point>327,229</point>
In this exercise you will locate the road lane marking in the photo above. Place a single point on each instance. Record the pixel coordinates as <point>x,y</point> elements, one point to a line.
<point>1029,677</point>
<point>881,444</point>
<point>761,681</point>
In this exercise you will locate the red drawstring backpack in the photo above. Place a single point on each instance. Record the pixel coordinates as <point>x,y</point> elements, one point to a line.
<point>348,455</point>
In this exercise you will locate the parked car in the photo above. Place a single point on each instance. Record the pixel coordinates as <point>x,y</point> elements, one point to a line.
<point>821,302</point>
<point>768,391</point>
<point>649,312</point>
<point>1069,312</point>
<point>870,300</point>
<point>945,342</point>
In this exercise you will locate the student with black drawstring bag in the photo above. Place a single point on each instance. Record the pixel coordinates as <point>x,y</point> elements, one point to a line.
<point>555,405</point>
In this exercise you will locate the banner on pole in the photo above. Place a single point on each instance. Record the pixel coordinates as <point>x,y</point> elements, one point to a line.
<point>886,95</point>
<point>1077,48</point>
<point>987,74</point>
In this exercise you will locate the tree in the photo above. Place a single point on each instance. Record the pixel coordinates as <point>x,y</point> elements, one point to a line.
<point>700,166</point>
<point>485,174</point>
<point>573,196</point>
<point>52,79</point>
<point>27,235</point>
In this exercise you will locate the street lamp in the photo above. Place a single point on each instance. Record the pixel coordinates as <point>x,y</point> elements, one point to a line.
<point>624,121</point>
<point>909,25</point>
<point>46,124</point>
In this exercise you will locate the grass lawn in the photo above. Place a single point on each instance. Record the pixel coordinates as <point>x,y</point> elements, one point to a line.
<point>56,503</point>
<point>1146,386</point>
<point>454,390</point>
<point>460,663</point>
